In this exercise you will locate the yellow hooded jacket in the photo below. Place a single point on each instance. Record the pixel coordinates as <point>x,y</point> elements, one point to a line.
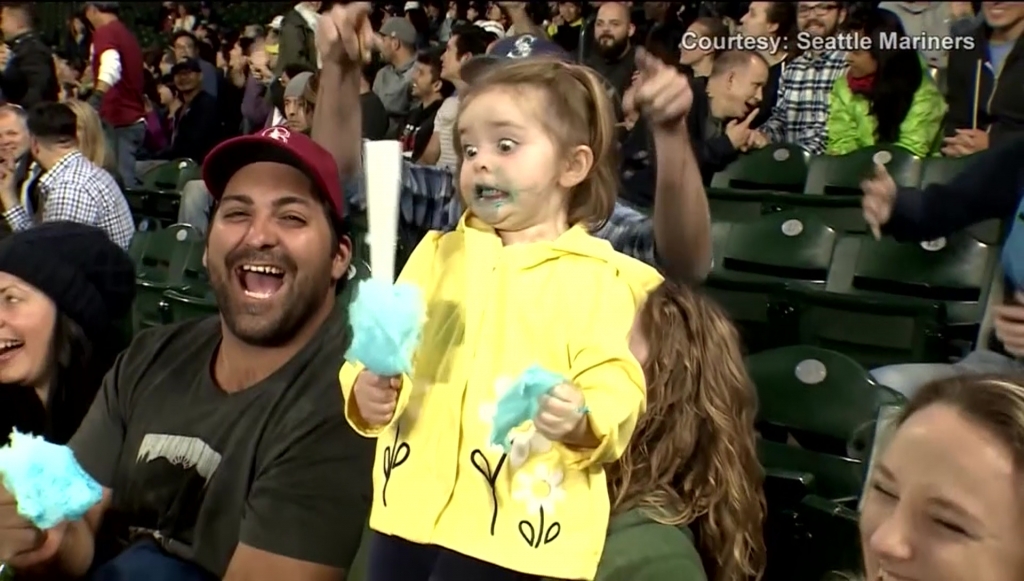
<point>493,311</point>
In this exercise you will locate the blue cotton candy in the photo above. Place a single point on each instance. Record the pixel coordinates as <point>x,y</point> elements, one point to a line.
<point>386,320</point>
<point>47,482</point>
<point>521,402</point>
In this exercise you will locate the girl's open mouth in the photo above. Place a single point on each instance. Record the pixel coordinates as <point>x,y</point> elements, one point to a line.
<point>491,194</point>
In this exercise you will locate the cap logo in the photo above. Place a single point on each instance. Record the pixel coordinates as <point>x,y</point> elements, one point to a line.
<point>523,47</point>
<point>277,133</point>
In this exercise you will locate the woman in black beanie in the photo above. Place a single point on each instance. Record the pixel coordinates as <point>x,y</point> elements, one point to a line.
<point>63,288</point>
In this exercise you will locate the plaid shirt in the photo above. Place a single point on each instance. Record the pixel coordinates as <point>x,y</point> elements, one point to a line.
<point>74,189</point>
<point>801,111</point>
<point>429,202</point>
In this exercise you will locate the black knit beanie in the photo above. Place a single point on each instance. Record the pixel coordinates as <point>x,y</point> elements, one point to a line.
<point>89,277</point>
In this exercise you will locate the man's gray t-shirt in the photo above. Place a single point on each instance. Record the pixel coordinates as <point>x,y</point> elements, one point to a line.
<point>274,466</point>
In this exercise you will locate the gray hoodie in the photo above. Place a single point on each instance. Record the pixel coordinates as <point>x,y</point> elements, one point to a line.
<point>932,19</point>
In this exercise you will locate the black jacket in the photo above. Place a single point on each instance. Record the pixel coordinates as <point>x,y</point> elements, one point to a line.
<point>1000,105</point>
<point>711,145</point>
<point>30,77</point>
<point>196,130</point>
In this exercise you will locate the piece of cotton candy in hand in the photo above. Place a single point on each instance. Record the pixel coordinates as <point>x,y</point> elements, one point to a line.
<point>521,402</point>
<point>46,481</point>
<point>386,320</point>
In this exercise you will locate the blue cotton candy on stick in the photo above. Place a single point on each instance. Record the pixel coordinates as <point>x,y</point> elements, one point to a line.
<point>387,320</point>
<point>521,402</point>
<point>46,481</point>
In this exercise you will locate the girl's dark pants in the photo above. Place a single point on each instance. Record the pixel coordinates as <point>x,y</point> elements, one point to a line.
<point>395,559</point>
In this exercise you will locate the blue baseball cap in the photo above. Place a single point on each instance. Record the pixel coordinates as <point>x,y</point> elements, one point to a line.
<point>513,48</point>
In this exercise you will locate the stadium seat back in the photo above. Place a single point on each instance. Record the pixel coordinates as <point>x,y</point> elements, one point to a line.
<point>816,392</point>
<point>842,174</point>
<point>162,267</point>
<point>777,167</point>
<point>786,245</point>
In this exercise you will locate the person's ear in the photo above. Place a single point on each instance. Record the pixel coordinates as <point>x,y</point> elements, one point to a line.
<point>577,166</point>
<point>342,258</point>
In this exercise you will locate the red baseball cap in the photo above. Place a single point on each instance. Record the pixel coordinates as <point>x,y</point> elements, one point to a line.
<point>281,145</point>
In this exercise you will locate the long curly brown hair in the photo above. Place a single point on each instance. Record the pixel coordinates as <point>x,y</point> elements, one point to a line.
<point>692,459</point>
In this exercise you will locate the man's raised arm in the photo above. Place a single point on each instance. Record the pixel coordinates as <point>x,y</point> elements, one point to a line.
<point>344,39</point>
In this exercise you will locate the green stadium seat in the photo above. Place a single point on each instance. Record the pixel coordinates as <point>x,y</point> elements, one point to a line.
<point>190,303</point>
<point>844,213</point>
<point>728,205</point>
<point>889,302</point>
<point>162,267</point>
<point>159,195</point>
<point>192,297</point>
<point>941,170</point>
<point>812,403</point>
<point>777,167</point>
<point>756,261</point>
<point>821,399</point>
<point>842,174</point>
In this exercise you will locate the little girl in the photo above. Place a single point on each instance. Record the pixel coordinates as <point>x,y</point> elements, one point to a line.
<point>520,282</point>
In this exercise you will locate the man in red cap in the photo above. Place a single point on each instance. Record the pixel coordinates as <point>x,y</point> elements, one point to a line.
<point>220,442</point>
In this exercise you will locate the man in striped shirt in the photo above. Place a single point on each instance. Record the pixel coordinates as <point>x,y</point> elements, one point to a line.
<point>801,111</point>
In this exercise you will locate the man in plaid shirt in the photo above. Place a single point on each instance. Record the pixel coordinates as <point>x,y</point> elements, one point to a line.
<point>801,110</point>
<point>675,238</point>
<point>71,188</point>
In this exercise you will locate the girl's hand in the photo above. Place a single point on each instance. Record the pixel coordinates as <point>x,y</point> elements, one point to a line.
<point>376,397</point>
<point>561,413</point>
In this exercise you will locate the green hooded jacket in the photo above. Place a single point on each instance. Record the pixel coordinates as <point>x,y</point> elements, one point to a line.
<point>851,126</point>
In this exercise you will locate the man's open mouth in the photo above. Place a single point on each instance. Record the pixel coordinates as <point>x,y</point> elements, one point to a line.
<point>260,281</point>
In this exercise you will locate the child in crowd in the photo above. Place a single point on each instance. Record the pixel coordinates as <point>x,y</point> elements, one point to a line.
<point>520,282</point>
<point>687,499</point>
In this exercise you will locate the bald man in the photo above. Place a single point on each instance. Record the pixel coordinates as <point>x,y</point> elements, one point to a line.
<point>612,53</point>
<point>721,117</point>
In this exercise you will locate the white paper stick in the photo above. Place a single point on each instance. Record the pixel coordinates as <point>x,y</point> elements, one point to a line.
<point>383,160</point>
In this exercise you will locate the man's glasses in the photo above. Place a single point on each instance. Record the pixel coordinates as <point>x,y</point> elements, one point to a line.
<point>820,9</point>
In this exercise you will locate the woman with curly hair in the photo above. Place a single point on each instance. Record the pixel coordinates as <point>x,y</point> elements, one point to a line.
<point>687,503</point>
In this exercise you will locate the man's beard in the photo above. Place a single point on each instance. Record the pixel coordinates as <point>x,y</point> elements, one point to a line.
<point>614,49</point>
<point>277,327</point>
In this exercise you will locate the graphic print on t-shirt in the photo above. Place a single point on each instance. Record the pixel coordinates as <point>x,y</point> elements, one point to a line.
<point>169,483</point>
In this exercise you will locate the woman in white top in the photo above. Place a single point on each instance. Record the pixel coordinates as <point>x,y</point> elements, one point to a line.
<point>185,20</point>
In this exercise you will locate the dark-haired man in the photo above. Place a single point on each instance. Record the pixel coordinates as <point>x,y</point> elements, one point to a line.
<point>118,94</point>
<point>430,90</point>
<point>465,42</point>
<point>186,46</point>
<point>28,74</point>
<point>730,104</point>
<point>255,476</point>
<point>71,187</point>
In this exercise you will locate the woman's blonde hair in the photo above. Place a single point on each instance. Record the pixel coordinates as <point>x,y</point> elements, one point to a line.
<point>579,112</point>
<point>92,141</point>
<point>692,459</point>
